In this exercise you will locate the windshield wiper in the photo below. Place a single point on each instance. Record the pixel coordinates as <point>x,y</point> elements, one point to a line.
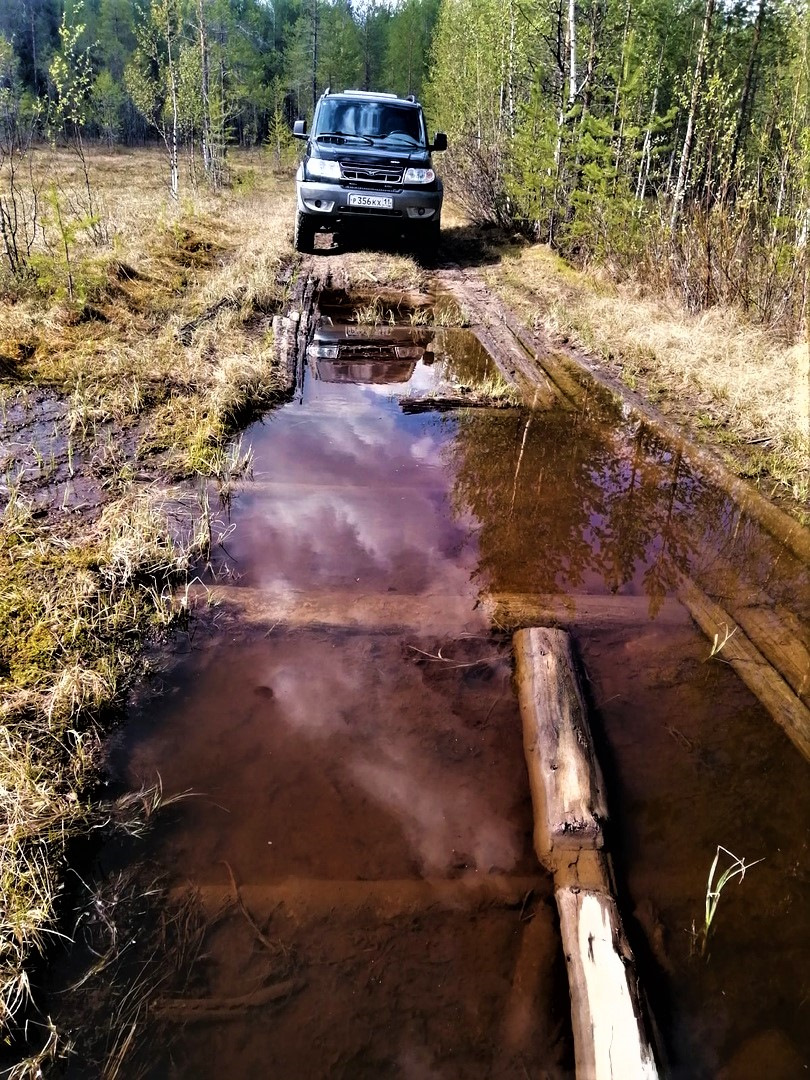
<point>342,135</point>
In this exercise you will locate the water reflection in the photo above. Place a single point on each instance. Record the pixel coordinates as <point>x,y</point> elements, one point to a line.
<point>569,505</point>
<point>354,497</point>
<point>299,740</point>
<point>339,755</point>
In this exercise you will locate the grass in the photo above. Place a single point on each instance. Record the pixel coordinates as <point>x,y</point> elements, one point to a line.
<point>445,313</point>
<point>72,616</point>
<point>165,350</point>
<point>119,353</point>
<point>374,313</point>
<point>737,386</point>
<point>714,889</point>
<point>496,389</point>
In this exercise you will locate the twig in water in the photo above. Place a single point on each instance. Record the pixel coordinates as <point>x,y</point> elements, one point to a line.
<point>438,658</point>
<point>268,944</point>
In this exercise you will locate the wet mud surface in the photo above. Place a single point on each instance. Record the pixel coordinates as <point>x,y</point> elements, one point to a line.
<point>39,457</point>
<point>361,836</point>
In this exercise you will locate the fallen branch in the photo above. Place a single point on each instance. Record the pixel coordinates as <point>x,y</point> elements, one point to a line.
<point>192,1010</point>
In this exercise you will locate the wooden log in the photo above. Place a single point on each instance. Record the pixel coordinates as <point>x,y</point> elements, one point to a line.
<point>433,612</point>
<point>749,663</point>
<point>514,611</point>
<point>448,402</point>
<point>310,898</point>
<point>346,609</point>
<point>566,783</point>
<point>610,1040</point>
<point>504,348</point>
<point>779,637</point>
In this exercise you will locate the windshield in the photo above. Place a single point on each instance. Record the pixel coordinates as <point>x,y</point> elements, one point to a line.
<point>369,120</point>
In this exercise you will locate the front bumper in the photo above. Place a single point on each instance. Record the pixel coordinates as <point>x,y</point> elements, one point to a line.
<point>331,201</point>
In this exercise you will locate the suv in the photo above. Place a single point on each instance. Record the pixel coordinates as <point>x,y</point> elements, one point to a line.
<point>368,156</point>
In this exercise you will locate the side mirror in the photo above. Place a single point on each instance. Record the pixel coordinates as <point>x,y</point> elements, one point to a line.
<point>300,129</point>
<point>440,142</point>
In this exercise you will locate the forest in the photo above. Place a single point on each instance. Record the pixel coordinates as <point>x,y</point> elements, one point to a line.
<point>664,139</point>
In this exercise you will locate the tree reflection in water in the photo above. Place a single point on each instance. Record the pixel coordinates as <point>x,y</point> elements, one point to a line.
<point>576,502</point>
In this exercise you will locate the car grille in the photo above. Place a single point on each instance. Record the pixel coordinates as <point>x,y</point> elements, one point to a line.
<point>366,351</point>
<point>365,175</point>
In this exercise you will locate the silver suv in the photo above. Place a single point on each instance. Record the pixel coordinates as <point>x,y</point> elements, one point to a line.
<point>368,157</point>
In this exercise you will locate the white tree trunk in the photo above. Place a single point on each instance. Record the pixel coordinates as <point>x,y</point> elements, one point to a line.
<point>697,81</point>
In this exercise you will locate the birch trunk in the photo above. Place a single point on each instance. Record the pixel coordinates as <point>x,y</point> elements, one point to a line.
<point>697,82</point>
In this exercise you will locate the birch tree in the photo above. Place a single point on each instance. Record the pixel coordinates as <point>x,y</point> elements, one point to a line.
<point>694,101</point>
<point>152,78</point>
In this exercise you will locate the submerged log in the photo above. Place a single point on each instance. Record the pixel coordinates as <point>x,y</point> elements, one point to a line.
<point>305,899</point>
<point>440,612</point>
<point>781,639</point>
<point>735,649</point>
<point>566,783</point>
<point>512,611</point>
<point>452,401</point>
<point>206,1010</point>
<point>610,1041</point>
<point>345,609</point>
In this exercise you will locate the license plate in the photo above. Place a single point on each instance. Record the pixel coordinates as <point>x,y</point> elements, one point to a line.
<point>377,202</point>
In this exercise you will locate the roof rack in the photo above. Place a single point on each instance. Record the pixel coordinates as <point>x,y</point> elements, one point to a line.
<point>369,94</point>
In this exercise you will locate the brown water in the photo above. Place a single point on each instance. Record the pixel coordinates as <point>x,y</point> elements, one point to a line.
<point>363,774</point>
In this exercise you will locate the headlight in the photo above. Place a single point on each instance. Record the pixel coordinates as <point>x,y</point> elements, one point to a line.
<point>322,169</point>
<point>323,352</point>
<point>419,176</point>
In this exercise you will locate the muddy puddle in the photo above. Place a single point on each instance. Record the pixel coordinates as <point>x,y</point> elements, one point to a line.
<point>47,459</point>
<point>359,840</point>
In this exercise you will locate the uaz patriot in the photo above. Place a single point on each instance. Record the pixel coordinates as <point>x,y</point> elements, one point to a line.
<point>368,157</point>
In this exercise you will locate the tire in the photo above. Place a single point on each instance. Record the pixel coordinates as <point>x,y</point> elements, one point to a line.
<point>426,242</point>
<point>304,238</point>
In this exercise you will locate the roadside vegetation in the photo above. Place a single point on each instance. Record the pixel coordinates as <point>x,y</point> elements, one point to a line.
<point>647,170</point>
<point>738,387</point>
<point>121,390</point>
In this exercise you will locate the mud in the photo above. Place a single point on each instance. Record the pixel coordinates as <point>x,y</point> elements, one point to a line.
<point>361,832</point>
<point>41,460</point>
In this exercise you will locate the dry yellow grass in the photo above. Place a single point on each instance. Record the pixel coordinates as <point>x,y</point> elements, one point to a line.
<point>139,335</point>
<point>166,342</point>
<point>738,386</point>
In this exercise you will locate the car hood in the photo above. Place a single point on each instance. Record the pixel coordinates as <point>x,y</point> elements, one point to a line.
<point>353,153</point>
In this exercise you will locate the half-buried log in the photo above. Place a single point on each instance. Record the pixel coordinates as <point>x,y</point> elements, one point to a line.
<point>610,1042</point>
<point>307,899</point>
<point>566,784</point>
<point>351,609</point>
<point>513,611</point>
<point>208,1010</point>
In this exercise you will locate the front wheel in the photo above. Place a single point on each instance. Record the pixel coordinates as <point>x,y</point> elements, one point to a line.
<point>304,239</point>
<point>426,241</point>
